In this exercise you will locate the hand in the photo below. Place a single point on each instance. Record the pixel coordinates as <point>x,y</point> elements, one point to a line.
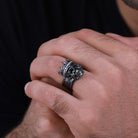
<point>41,122</point>
<point>105,100</point>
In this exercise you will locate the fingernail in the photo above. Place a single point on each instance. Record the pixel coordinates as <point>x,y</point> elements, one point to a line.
<point>26,85</point>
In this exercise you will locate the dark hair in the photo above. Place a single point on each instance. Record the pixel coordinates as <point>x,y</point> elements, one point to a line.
<point>132,3</point>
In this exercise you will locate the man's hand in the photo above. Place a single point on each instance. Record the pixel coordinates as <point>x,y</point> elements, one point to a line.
<point>41,122</point>
<point>105,100</point>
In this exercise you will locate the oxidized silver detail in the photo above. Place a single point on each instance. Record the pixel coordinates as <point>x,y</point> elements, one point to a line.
<point>71,72</point>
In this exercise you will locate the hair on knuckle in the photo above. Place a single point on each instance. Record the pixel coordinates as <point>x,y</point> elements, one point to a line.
<point>60,105</point>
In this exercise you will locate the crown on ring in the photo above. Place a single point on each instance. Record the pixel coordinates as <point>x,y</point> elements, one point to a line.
<point>71,70</point>
<point>65,65</point>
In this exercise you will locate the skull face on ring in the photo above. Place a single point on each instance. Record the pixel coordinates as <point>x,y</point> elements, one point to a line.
<point>71,70</point>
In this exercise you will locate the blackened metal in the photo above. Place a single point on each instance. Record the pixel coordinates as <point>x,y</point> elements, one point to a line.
<point>71,72</point>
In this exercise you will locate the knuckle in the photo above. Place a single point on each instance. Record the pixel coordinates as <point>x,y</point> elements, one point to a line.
<point>84,33</point>
<point>74,45</point>
<point>87,33</point>
<point>51,62</point>
<point>89,118</point>
<point>41,49</point>
<point>116,73</point>
<point>68,42</point>
<point>104,38</point>
<point>84,49</point>
<point>132,57</point>
<point>45,125</point>
<point>59,105</point>
<point>101,88</point>
<point>84,30</point>
<point>103,95</point>
<point>64,39</point>
<point>54,62</point>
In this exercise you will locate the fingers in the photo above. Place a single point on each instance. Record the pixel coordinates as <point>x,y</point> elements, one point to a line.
<point>49,66</point>
<point>103,42</point>
<point>70,47</point>
<point>56,99</point>
<point>84,46</point>
<point>131,41</point>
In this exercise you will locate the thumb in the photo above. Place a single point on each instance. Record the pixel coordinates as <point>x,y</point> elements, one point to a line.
<point>131,41</point>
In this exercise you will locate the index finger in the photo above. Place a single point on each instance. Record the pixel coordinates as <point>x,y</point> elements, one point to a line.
<point>103,42</point>
<point>97,41</point>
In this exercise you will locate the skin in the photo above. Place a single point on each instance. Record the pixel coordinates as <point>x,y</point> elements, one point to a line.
<point>101,102</point>
<point>39,117</point>
<point>129,15</point>
<point>41,122</point>
<point>131,3</point>
<point>52,113</point>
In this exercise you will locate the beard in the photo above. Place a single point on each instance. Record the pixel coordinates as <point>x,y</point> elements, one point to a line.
<point>132,3</point>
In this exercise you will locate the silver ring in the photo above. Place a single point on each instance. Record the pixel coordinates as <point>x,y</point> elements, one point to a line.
<point>71,72</point>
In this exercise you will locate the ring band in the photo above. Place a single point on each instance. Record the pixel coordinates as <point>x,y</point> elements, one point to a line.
<point>71,72</point>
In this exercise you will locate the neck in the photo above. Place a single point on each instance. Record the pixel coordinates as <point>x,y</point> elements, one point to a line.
<point>130,16</point>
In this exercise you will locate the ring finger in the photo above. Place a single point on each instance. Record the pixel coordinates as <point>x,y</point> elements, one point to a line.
<point>49,66</point>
